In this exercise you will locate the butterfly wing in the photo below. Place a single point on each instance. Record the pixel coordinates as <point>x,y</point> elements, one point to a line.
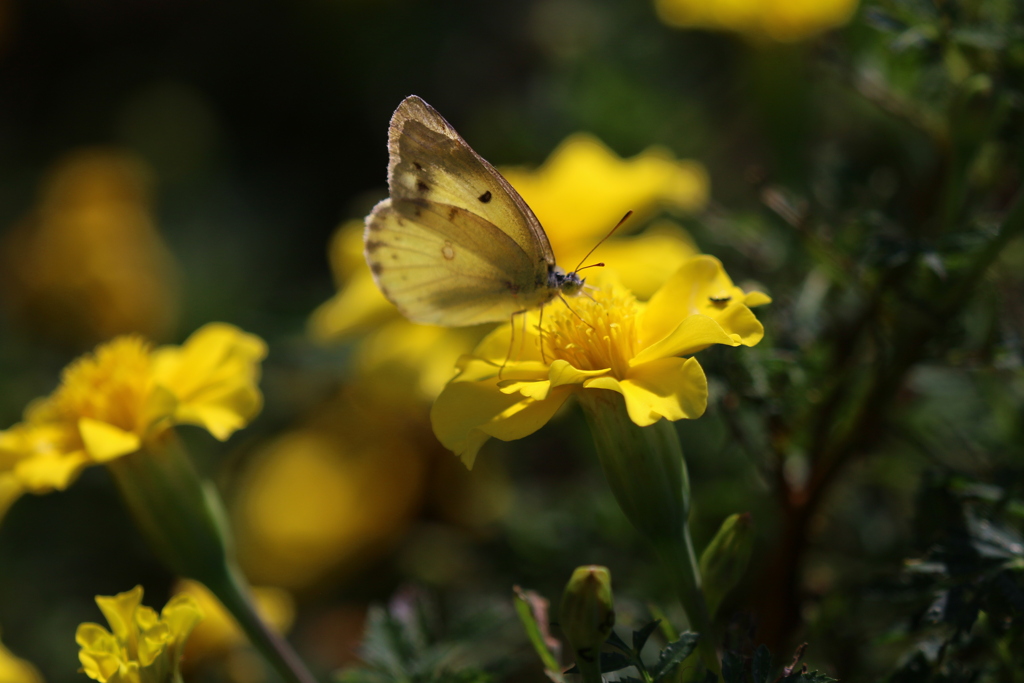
<point>455,244</point>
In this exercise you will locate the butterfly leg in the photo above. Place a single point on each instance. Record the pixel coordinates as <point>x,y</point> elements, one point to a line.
<point>574,312</point>
<point>540,335</point>
<point>512,339</point>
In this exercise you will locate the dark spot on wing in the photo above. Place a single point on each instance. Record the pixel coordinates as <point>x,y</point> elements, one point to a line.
<point>376,268</point>
<point>512,287</point>
<point>422,186</point>
<point>373,245</point>
<point>485,197</point>
<point>452,212</point>
<point>394,257</point>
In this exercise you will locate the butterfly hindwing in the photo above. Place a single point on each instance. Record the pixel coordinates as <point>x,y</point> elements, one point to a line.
<point>455,245</point>
<point>447,266</point>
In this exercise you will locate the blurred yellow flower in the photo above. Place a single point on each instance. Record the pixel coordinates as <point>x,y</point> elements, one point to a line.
<point>88,262</point>
<point>608,341</point>
<point>218,635</point>
<point>579,193</point>
<point>13,669</point>
<point>335,493</point>
<point>141,645</point>
<point>125,392</point>
<point>781,20</point>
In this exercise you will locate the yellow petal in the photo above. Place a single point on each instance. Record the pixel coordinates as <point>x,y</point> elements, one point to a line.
<point>466,413</point>
<point>691,335</point>
<point>584,187</point>
<point>13,669</point>
<point>753,299</point>
<point>120,612</point>
<point>673,388</point>
<point>700,287</point>
<point>104,441</point>
<point>538,391</point>
<point>359,306</point>
<point>214,376</point>
<point>47,471</point>
<point>526,417</point>
<point>181,614</point>
<point>644,262</point>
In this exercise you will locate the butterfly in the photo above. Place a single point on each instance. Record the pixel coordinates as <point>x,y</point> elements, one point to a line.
<point>455,244</point>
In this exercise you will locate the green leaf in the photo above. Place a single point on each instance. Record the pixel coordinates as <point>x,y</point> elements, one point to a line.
<point>617,643</point>
<point>732,667</point>
<point>640,637</point>
<point>610,661</point>
<point>761,667</point>
<point>673,654</point>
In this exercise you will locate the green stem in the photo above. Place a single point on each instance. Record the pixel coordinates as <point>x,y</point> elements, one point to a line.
<point>646,471</point>
<point>232,589</point>
<point>685,576</point>
<point>183,519</point>
<point>590,670</point>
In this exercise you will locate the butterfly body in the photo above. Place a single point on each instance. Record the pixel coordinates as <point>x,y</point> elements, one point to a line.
<point>455,244</point>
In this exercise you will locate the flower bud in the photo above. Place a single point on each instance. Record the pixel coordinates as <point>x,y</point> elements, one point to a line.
<point>587,615</point>
<point>726,558</point>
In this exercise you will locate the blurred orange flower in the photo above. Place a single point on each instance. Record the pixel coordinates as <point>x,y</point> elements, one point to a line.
<point>13,669</point>
<point>88,262</point>
<point>334,493</point>
<point>781,20</point>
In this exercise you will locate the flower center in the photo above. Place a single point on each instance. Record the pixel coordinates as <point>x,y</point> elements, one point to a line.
<point>599,332</point>
<point>109,385</point>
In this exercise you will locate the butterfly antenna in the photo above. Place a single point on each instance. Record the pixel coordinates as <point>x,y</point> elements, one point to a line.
<point>610,233</point>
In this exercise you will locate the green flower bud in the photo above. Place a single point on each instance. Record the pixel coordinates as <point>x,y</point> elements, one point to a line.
<point>587,615</point>
<point>726,558</point>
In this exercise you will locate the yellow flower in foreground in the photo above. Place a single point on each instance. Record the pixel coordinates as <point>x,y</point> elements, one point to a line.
<point>125,392</point>
<point>782,20</point>
<point>578,194</point>
<point>609,341</point>
<point>141,645</point>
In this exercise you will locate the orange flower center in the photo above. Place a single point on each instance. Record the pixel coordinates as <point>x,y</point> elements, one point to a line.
<point>599,332</point>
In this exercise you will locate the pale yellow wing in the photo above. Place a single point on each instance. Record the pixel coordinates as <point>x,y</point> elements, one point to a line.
<point>429,160</point>
<point>455,245</point>
<point>448,266</point>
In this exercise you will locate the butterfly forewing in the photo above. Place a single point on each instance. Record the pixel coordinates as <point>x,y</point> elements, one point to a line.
<point>455,244</point>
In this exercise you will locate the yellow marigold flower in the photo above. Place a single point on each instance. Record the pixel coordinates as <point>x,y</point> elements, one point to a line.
<point>125,392</point>
<point>578,194</point>
<point>782,20</point>
<point>608,341</point>
<point>141,645</point>
<point>88,263</point>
